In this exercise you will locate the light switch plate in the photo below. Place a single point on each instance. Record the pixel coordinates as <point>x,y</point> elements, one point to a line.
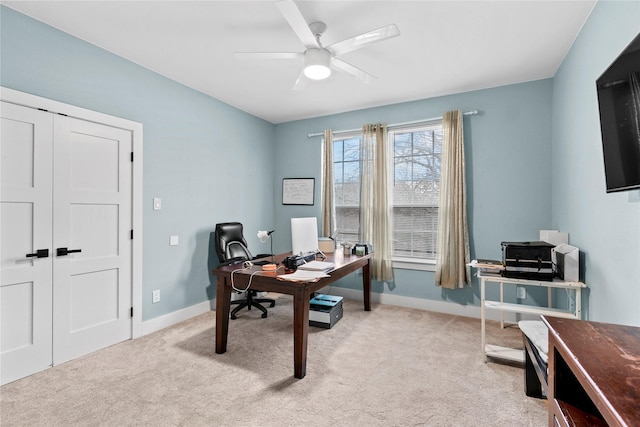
<point>174,241</point>
<point>157,203</point>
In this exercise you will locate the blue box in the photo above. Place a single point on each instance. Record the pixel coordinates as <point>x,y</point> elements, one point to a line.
<point>323,300</point>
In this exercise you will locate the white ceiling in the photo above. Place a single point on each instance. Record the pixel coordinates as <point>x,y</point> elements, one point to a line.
<point>445,47</point>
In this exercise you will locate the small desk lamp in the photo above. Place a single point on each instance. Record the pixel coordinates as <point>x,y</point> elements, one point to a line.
<point>263,235</point>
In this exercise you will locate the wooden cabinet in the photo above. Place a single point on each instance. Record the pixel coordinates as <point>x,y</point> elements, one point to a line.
<point>594,373</point>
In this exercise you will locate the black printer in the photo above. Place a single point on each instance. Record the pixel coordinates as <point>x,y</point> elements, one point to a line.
<point>527,260</point>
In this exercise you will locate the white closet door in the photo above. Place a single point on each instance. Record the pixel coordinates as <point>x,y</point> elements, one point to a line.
<point>26,226</point>
<point>92,215</point>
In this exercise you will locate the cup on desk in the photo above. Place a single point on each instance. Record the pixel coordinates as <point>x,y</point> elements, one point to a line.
<point>346,248</point>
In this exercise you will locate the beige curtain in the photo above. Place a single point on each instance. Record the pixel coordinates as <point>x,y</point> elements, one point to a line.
<point>328,208</point>
<point>376,225</point>
<point>452,254</point>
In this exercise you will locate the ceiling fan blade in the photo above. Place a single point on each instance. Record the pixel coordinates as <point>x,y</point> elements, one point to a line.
<point>364,77</point>
<point>364,39</point>
<point>293,16</point>
<point>301,82</point>
<point>267,55</point>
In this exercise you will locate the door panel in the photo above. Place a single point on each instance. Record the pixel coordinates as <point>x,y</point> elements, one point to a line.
<point>94,162</point>
<point>17,308</point>
<point>26,226</point>
<point>94,228</point>
<point>96,285</point>
<point>92,213</point>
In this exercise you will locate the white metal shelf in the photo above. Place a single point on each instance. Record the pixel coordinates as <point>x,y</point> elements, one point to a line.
<point>505,353</point>
<point>528,309</point>
<point>517,355</point>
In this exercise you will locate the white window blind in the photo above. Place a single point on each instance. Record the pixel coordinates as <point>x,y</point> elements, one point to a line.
<point>416,189</point>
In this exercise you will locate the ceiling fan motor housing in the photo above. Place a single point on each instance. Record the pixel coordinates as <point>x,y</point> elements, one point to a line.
<point>316,63</point>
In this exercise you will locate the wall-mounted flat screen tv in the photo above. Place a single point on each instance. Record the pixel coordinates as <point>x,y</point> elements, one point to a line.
<point>619,102</point>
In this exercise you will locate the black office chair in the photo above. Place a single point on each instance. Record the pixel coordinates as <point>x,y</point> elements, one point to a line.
<point>231,246</point>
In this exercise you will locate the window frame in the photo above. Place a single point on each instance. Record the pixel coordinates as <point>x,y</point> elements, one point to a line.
<point>399,262</point>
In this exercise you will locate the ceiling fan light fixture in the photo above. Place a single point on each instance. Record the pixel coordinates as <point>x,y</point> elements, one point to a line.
<point>316,64</point>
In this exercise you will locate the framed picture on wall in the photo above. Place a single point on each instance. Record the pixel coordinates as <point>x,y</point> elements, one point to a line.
<point>298,191</point>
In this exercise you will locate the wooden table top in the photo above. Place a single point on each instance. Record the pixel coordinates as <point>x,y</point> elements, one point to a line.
<point>608,356</point>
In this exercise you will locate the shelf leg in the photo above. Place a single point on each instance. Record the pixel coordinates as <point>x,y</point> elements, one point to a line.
<point>482,314</point>
<point>501,301</point>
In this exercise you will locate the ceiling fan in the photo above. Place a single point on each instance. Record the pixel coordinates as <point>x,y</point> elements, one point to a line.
<point>320,60</point>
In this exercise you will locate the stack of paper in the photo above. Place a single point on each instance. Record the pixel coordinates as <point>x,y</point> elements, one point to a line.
<point>317,266</point>
<point>303,276</point>
<point>487,265</point>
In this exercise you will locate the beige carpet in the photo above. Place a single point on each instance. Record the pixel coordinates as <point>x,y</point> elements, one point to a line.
<point>392,366</point>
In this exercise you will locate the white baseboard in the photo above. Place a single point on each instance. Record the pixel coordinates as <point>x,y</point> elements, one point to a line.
<point>178,316</point>
<point>410,302</point>
<point>157,323</point>
<point>426,304</point>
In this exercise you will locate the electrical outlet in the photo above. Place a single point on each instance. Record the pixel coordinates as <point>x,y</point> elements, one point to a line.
<point>521,292</point>
<point>155,296</point>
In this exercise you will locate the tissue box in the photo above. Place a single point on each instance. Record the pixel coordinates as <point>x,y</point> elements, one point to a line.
<point>554,237</point>
<point>567,262</point>
<point>326,245</point>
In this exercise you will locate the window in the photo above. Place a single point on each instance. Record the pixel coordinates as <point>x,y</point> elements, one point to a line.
<point>346,178</point>
<point>416,185</point>
<point>416,190</point>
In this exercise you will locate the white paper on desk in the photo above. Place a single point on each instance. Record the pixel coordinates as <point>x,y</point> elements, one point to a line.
<point>303,276</point>
<point>317,266</point>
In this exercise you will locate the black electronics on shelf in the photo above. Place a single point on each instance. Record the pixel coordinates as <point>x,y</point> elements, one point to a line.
<point>527,260</point>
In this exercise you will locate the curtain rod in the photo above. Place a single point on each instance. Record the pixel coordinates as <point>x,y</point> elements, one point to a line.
<point>415,122</point>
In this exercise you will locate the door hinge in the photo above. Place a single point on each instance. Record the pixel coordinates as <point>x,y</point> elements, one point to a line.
<point>131,311</point>
<point>132,156</point>
<point>131,234</point>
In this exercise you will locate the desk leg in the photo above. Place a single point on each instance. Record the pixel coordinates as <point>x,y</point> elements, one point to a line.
<point>300,331</point>
<point>223,303</point>
<point>366,285</point>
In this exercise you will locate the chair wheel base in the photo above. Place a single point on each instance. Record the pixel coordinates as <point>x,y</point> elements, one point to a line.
<point>252,302</point>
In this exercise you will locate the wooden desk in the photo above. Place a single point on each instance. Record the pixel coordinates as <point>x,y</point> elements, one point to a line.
<point>301,292</point>
<point>594,373</point>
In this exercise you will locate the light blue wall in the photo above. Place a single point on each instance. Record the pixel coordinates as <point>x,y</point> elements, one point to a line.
<point>507,151</point>
<point>606,227</point>
<point>203,157</point>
